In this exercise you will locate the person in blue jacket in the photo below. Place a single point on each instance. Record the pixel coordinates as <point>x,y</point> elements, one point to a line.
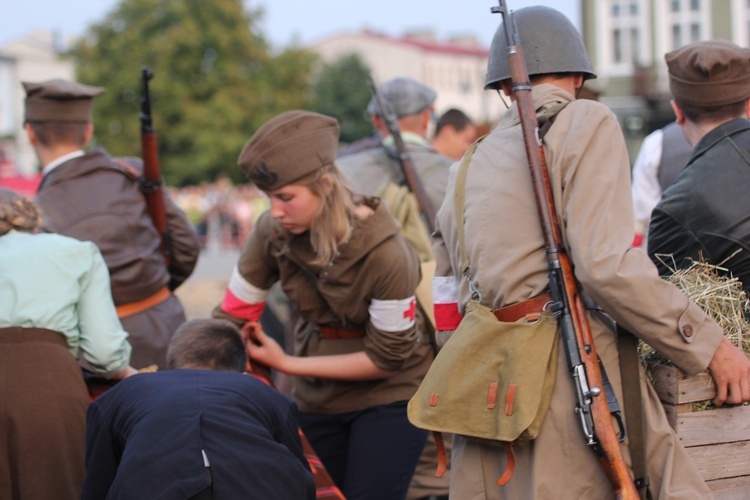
<point>200,430</point>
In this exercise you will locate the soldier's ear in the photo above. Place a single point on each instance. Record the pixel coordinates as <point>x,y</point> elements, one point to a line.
<point>89,132</point>
<point>679,115</point>
<point>326,181</point>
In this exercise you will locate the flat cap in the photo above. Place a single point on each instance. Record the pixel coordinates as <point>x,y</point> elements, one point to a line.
<point>59,101</point>
<point>708,74</point>
<point>404,96</point>
<point>288,147</point>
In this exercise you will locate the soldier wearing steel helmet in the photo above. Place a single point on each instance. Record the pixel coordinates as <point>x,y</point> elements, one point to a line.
<point>590,179</point>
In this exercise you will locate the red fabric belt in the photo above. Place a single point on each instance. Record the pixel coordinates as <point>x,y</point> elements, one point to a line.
<point>334,333</point>
<point>532,307</point>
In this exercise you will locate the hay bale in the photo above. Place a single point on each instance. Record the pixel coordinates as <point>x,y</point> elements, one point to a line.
<point>719,295</point>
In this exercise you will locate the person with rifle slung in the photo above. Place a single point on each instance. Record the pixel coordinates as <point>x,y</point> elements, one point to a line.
<point>94,197</point>
<point>410,176</point>
<point>513,269</point>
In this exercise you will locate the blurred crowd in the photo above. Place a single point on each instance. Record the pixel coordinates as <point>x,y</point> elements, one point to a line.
<point>223,213</point>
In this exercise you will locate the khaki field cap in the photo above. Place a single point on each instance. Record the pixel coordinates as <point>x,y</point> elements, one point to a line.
<point>403,96</point>
<point>289,147</point>
<point>707,74</point>
<point>59,101</point>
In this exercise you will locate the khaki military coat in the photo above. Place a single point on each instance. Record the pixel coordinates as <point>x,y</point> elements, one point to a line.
<point>369,170</point>
<point>590,178</point>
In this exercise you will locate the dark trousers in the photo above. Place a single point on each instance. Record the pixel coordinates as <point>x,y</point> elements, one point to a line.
<point>370,454</point>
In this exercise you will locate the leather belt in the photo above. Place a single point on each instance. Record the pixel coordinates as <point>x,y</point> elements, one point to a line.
<point>133,308</point>
<point>532,307</point>
<point>335,333</point>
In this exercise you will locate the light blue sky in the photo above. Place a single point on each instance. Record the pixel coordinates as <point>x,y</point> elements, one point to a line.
<point>287,20</point>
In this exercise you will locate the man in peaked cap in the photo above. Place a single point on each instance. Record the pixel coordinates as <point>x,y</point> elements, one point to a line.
<point>705,212</point>
<point>377,171</point>
<point>93,197</point>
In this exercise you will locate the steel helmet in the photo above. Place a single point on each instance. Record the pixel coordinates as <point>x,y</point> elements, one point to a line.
<point>550,42</point>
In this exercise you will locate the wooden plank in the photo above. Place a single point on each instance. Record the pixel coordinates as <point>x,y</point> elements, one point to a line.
<point>735,488</point>
<point>674,387</point>
<point>675,411</point>
<point>721,461</point>
<point>722,425</point>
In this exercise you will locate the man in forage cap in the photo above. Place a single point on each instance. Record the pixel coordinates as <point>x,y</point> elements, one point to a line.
<point>94,197</point>
<point>705,212</point>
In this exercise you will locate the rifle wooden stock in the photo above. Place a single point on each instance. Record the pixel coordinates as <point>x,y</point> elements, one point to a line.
<point>151,185</point>
<point>579,343</point>
<point>404,159</point>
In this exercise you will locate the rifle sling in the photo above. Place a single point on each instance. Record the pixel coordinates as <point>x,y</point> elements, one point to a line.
<point>633,402</point>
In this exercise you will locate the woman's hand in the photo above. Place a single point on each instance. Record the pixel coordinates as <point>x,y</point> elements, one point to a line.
<point>262,348</point>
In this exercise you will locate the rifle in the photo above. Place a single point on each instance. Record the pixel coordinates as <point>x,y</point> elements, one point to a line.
<point>151,182</point>
<point>583,362</point>
<point>404,159</point>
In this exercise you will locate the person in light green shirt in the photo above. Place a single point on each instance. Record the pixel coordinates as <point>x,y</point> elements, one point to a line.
<point>54,302</point>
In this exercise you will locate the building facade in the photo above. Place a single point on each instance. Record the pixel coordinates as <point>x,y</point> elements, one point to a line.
<point>627,40</point>
<point>33,58</point>
<point>455,69</point>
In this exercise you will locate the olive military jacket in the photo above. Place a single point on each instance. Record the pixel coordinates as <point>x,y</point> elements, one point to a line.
<point>369,286</point>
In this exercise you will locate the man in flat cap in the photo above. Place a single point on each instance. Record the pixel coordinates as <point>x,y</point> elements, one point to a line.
<point>377,171</point>
<point>369,170</point>
<point>93,197</point>
<point>705,212</point>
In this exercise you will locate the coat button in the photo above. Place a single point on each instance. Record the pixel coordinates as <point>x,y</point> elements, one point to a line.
<point>687,330</point>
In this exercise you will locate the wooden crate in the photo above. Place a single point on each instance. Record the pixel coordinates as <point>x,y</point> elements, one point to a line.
<point>717,440</point>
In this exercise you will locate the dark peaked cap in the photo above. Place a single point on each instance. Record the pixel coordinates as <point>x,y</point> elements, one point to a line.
<point>59,101</point>
<point>711,73</point>
<point>403,96</point>
<point>289,147</point>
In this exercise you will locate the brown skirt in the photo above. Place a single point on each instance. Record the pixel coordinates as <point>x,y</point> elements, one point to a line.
<point>43,402</point>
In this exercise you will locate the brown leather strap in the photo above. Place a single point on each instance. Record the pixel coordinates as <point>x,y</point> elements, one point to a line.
<point>442,456</point>
<point>133,308</point>
<point>334,333</point>
<point>632,401</point>
<point>18,334</point>
<point>510,466</point>
<point>532,307</point>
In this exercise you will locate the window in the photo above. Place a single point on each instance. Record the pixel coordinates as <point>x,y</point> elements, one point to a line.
<point>676,36</point>
<point>635,45</point>
<point>675,5</point>
<point>617,45</point>
<point>695,32</point>
<point>695,5</point>
<point>634,9</point>
<point>616,9</point>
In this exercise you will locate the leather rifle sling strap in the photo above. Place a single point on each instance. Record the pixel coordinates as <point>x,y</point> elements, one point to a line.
<point>627,346</point>
<point>629,372</point>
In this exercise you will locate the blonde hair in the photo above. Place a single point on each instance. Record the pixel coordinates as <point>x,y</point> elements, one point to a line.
<point>332,225</point>
<point>17,212</point>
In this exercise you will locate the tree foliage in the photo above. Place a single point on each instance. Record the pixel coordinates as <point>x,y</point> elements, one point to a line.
<point>215,81</point>
<point>341,89</point>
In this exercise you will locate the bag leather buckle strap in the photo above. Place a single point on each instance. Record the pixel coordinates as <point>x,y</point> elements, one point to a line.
<point>530,309</point>
<point>133,308</point>
<point>336,333</point>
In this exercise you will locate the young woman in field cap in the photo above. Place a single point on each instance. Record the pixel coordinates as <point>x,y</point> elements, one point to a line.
<point>358,355</point>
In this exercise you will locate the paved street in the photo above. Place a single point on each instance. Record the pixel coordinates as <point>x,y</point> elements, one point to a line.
<point>205,288</point>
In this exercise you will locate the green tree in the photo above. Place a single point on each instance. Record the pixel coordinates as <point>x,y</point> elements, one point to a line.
<point>215,81</point>
<point>342,90</point>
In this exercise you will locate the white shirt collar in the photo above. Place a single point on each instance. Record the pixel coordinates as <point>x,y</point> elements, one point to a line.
<point>60,160</point>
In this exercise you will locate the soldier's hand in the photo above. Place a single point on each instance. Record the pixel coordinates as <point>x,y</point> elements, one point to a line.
<point>730,369</point>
